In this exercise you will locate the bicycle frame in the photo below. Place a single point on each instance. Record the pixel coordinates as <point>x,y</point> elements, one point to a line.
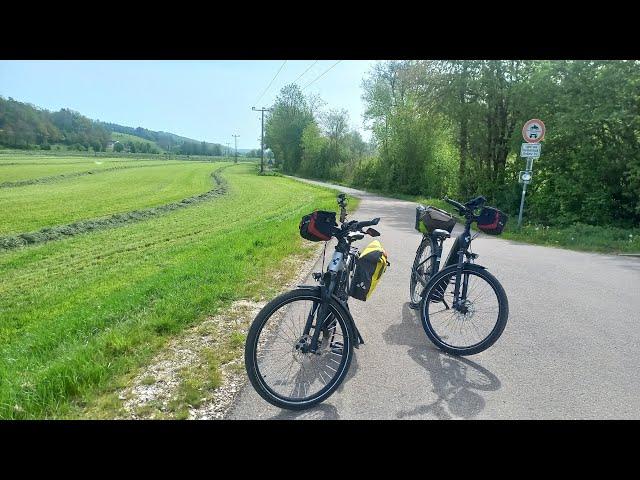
<point>333,283</point>
<point>463,241</point>
<point>457,254</point>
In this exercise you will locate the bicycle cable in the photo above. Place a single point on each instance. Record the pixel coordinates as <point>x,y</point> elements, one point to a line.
<point>324,253</point>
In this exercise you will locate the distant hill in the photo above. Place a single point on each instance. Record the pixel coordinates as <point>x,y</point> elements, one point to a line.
<point>166,141</point>
<point>23,125</point>
<point>139,144</point>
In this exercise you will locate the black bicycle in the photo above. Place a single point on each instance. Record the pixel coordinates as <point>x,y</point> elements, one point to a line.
<point>300,345</point>
<point>463,307</point>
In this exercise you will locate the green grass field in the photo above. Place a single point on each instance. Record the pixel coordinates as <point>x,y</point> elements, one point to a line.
<point>32,207</point>
<point>20,168</point>
<point>19,157</point>
<point>80,312</point>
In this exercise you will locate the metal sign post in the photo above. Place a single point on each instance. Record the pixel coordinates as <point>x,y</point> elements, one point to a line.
<point>524,191</point>
<point>532,132</point>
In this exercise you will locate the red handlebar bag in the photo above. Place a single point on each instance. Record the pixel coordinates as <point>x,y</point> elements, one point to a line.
<point>492,221</point>
<point>317,226</point>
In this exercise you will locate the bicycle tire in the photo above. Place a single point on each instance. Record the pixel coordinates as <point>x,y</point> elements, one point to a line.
<point>251,350</point>
<point>431,294</point>
<point>413,283</point>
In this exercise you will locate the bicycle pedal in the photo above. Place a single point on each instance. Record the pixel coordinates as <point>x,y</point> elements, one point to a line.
<point>316,275</point>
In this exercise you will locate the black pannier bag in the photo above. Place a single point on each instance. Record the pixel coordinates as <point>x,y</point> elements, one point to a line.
<point>492,221</point>
<point>316,226</point>
<point>431,218</point>
<point>370,265</point>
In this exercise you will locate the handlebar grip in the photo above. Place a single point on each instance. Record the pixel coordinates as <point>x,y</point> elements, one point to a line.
<point>368,223</point>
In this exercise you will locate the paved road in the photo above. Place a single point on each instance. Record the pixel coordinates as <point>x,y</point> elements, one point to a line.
<point>571,348</point>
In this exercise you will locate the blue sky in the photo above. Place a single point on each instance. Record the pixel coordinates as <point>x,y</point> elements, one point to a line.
<point>205,100</point>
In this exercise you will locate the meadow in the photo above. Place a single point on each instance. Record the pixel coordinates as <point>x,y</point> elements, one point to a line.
<point>80,312</point>
<point>31,207</point>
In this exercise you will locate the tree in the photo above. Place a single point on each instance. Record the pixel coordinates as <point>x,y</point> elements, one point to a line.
<point>285,124</point>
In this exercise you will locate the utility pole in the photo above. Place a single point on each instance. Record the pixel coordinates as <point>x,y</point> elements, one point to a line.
<point>262,137</point>
<point>235,137</point>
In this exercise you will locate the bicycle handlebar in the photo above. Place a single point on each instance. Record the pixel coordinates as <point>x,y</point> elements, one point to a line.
<point>469,207</point>
<point>353,226</point>
<point>367,223</point>
<point>459,206</point>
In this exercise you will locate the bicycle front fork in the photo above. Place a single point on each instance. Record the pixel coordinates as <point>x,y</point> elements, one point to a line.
<point>462,280</point>
<point>319,311</point>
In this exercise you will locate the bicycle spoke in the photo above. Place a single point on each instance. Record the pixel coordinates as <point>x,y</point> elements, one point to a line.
<point>473,321</point>
<point>295,372</point>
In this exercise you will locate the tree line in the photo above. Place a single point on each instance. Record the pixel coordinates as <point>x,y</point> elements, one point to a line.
<point>454,128</point>
<point>307,140</point>
<point>25,126</point>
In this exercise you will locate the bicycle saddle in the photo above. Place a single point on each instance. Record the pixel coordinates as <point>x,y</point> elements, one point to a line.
<point>441,233</point>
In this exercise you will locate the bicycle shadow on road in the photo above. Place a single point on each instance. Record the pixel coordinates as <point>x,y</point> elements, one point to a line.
<point>324,411</point>
<point>456,380</point>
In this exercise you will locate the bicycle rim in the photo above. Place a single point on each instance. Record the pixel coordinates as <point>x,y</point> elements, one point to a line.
<point>284,371</point>
<point>479,322</point>
<point>420,270</point>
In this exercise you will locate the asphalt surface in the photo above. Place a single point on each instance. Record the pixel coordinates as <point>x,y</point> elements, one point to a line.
<point>571,348</point>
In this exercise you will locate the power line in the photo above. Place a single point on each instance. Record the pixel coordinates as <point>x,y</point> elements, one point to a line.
<point>309,68</point>
<point>319,76</point>
<point>271,82</point>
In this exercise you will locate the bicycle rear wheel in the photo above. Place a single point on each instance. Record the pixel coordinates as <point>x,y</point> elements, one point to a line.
<point>477,323</point>
<point>421,270</point>
<point>278,364</point>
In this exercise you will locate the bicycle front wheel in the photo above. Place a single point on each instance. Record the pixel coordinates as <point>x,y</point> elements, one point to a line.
<point>279,363</point>
<point>479,319</point>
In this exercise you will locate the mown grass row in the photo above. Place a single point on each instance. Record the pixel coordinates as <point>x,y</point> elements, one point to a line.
<point>17,158</point>
<point>26,170</point>
<point>66,176</point>
<point>80,312</point>
<point>34,207</point>
<point>113,221</point>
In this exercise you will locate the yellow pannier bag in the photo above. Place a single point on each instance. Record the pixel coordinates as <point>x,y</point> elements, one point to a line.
<point>371,264</point>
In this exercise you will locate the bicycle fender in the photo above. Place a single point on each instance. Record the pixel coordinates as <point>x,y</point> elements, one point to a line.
<point>475,266</point>
<point>467,265</point>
